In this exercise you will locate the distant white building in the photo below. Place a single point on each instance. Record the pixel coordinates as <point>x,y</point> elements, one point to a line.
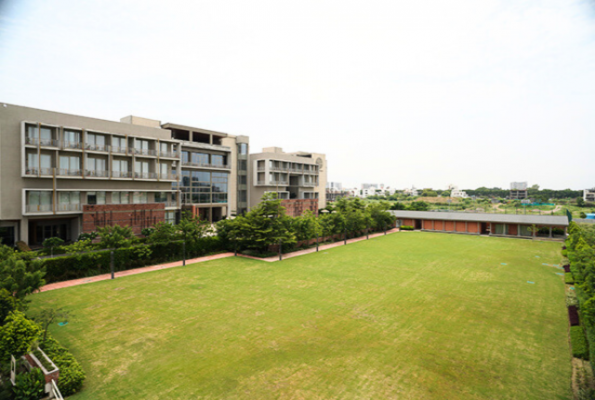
<point>458,193</point>
<point>411,192</point>
<point>589,195</point>
<point>335,186</point>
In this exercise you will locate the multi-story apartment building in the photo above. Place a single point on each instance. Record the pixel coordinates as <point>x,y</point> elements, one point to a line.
<point>62,175</point>
<point>589,195</point>
<point>298,178</point>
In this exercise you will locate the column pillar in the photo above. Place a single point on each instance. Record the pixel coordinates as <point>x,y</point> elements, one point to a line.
<point>518,230</point>
<point>478,229</point>
<point>550,232</point>
<point>490,234</point>
<point>466,227</point>
<point>433,225</point>
<point>455,226</point>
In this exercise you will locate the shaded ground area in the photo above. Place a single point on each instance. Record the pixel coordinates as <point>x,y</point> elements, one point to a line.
<point>409,316</point>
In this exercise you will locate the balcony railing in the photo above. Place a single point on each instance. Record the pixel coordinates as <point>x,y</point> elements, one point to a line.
<point>121,174</point>
<point>143,152</point>
<point>168,204</point>
<point>260,169</point>
<point>71,145</point>
<point>68,172</point>
<point>31,140</point>
<point>206,165</point>
<point>96,174</point>
<point>309,184</point>
<point>284,169</point>
<point>273,182</point>
<point>68,207</point>
<point>39,208</point>
<point>168,176</point>
<point>296,170</point>
<point>121,150</point>
<point>96,147</point>
<point>32,171</point>
<point>145,175</point>
<point>49,142</point>
<point>172,154</point>
<point>260,182</point>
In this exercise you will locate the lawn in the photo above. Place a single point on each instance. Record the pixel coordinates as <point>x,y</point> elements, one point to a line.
<point>406,316</point>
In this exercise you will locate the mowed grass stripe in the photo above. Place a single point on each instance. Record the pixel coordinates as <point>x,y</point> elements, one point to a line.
<point>407,316</point>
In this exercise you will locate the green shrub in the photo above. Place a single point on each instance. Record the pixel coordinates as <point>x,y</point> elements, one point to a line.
<point>580,348</point>
<point>568,279</point>
<point>29,385</point>
<point>406,228</point>
<point>571,299</point>
<point>88,236</point>
<point>72,375</point>
<point>17,335</point>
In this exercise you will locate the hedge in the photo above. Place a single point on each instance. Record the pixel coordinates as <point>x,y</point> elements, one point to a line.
<point>580,348</point>
<point>72,375</point>
<point>568,278</point>
<point>77,266</point>
<point>406,228</point>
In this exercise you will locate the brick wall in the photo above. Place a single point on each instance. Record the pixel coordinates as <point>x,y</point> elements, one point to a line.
<point>136,216</point>
<point>296,207</point>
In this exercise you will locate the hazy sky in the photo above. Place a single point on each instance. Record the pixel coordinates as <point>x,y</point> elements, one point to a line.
<point>474,93</point>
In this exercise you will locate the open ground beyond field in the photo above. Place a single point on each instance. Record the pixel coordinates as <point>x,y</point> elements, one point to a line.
<point>406,316</point>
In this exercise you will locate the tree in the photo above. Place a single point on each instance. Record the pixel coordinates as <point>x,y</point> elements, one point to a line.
<point>192,228</point>
<point>115,237</point>
<point>17,335</point>
<point>8,304</point>
<point>48,316</point>
<point>52,242</point>
<point>580,202</point>
<point>20,279</point>
<point>164,232</point>
<point>534,187</point>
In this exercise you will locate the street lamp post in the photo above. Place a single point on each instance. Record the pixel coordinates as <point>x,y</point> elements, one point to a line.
<point>280,254</point>
<point>184,252</point>
<point>316,240</point>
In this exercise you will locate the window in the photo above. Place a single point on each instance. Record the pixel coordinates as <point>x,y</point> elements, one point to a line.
<point>70,163</point>
<point>161,197</point>
<point>185,156</point>
<point>32,131</point>
<point>200,158</point>
<point>243,148</point>
<point>40,201</point>
<point>95,141</point>
<point>170,217</point>
<point>142,145</point>
<point>186,178</point>
<point>139,197</point>
<point>95,198</point>
<point>71,137</point>
<point>163,170</point>
<point>218,160</point>
<point>120,198</point>
<point>141,168</point>
<point>242,179</point>
<point>118,144</point>
<point>45,134</point>
<point>163,148</point>
<point>119,166</point>
<point>242,196</point>
<point>69,201</point>
<point>95,164</point>
<point>32,160</point>
<point>46,161</point>
<point>243,165</point>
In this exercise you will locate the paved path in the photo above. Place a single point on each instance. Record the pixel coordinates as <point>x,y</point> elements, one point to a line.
<point>105,277</point>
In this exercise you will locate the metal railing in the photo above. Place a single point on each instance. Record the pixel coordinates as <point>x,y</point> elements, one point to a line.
<point>49,142</point>
<point>68,172</point>
<point>168,176</point>
<point>31,140</point>
<point>121,174</point>
<point>168,204</point>
<point>143,152</point>
<point>39,208</point>
<point>46,171</point>
<point>206,165</point>
<point>273,182</point>
<point>71,145</point>
<point>32,171</point>
<point>260,169</point>
<point>118,149</point>
<point>96,174</point>
<point>69,207</point>
<point>309,184</point>
<point>284,169</point>
<point>172,154</point>
<point>96,147</point>
<point>145,175</point>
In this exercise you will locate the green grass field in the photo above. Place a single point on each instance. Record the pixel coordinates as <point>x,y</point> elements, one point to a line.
<point>405,316</point>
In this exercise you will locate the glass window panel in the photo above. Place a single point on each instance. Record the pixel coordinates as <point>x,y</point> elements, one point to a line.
<point>217,160</point>
<point>75,197</point>
<point>45,133</point>
<point>100,197</point>
<point>45,198</point>
<point>46,161</point>
<point>32,160</point>
<point>91,198</point>
<point>63,198</point>
<point>185,156</point>
<point>32,131</point>
<point>34,198</point>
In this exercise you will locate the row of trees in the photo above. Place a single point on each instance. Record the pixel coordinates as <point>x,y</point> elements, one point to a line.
<point>267,224</point>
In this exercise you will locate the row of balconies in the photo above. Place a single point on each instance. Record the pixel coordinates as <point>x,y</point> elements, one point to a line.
<point>273,182</point>
<point>205,165</point>
<point>79,173</point>
<point>291,170</point>
<point>66,145</point>
<point>49,208</point>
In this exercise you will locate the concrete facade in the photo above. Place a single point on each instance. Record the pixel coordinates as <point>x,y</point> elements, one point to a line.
<point>62,174</point>
<point>293,176</point>
<point>589,195</point>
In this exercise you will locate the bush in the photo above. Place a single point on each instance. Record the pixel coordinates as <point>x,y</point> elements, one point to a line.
<point>579,344</point>
<point>17,335</point>
<point>29,385</point>
<point>406,228</point>
<point>571,299</point>
<point>568,279</point>
<point>88,236</point>
<point>72,375</point>
<point>22,246</point>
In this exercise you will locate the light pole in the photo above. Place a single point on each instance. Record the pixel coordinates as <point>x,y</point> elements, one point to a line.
<point>317,240</point>
<point>280,254</point>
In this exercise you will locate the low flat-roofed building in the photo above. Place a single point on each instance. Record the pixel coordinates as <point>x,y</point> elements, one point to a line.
<point>509,225</point>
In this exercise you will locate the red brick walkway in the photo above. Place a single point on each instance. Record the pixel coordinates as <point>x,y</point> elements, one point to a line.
<point>104,277</point>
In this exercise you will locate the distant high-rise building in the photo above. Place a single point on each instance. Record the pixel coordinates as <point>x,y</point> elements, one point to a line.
<point>334,186</point>
<point>518,190</point>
